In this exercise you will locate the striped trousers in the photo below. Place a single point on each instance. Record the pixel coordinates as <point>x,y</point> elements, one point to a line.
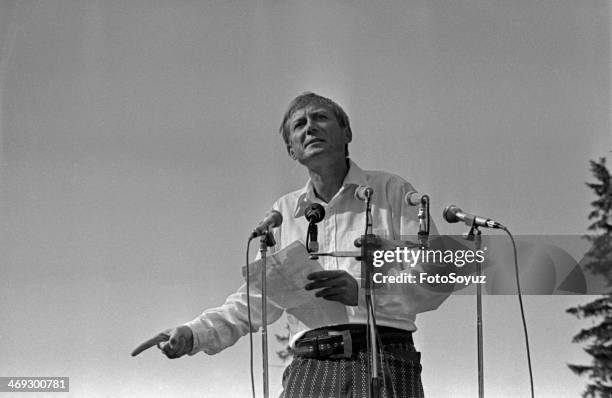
<point>348,378</point>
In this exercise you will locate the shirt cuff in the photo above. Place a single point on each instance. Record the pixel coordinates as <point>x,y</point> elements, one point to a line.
<point>199,331</point>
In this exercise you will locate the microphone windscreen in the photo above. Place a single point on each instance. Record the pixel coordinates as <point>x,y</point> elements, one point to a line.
<point>450,213</point>
<point>314,213</point>
<point>276,219</point>
<point>413,198</point>
<point>273,219</point>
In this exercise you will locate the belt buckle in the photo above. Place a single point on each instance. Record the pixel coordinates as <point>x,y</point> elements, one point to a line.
<point>346,349</point>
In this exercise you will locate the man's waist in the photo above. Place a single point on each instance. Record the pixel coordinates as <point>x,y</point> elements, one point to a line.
<point>343,341</point>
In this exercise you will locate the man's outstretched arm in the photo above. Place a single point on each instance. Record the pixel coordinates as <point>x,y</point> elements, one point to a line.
<point>174,343</point>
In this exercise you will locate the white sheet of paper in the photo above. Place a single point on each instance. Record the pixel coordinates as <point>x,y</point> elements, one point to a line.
<point>287,272</point>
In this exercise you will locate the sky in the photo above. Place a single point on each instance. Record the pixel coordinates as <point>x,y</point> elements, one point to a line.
<point>140,147</point>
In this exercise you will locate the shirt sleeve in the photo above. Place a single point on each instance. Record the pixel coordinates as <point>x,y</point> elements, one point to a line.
<point>218,328</point>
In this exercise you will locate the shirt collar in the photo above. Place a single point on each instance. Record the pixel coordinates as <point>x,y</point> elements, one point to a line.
<point>355,177</point>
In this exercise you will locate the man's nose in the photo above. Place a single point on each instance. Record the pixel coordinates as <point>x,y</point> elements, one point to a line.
<point>310,125</point>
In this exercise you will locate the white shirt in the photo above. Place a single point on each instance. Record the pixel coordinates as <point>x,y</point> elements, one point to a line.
<point>396,305</point>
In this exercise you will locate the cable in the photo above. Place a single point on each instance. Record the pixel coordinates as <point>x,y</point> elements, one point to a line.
<point>368,348</point>
<point>249,316</point>
<point>428,215</point>
<point>518,288</point>
<point>368,298</point>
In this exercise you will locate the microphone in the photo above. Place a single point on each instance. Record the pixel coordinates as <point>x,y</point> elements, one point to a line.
<point>453,214</point>
<point>314,213</point>
<point>272,219</point>
<point>413,198</point>
<point>363,192</point>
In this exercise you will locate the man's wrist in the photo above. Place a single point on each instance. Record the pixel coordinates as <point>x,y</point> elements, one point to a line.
<point>195,341</point>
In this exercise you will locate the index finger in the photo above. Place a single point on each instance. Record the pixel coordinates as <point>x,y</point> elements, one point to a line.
<point>325,274</point>
<point>159,338</point>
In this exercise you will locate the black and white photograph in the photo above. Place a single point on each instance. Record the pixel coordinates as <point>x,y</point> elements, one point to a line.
<point>300,199</point>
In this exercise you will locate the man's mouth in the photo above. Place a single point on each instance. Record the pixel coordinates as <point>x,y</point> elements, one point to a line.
<point>314,141</point>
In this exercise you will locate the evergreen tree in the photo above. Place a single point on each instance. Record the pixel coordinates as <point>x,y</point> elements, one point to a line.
<point>285,353</point>
<point>598,261</point>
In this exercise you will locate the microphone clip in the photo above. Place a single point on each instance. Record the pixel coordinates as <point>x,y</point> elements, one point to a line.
<point>267,239</point>
<point>312,246</point>
<point>424,219</point>
<point>314,213</point>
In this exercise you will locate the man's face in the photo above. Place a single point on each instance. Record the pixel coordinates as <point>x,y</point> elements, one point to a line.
<point>315,136</point>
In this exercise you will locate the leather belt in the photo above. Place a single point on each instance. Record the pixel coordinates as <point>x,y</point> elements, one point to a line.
<point>345,341</point>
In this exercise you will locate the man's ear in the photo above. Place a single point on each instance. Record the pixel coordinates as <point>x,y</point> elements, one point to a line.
<point>348,134</point>
<point>291,153</point>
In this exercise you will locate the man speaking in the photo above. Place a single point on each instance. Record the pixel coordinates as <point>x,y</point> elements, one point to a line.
<point>317,133</point>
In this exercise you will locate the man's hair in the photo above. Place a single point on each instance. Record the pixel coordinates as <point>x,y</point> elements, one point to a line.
<point>308,98</point>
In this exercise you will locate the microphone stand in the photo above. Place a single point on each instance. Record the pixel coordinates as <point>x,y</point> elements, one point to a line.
<point>475,235</point>
<point>266,240</point>
<point>371,321</point>
<point>364,255</point>
<point>372,346</point>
